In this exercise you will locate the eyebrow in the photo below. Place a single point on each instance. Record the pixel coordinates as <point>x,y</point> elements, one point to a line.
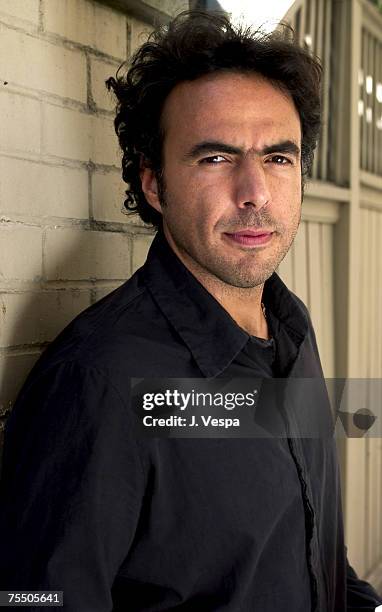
<point>216,146</point>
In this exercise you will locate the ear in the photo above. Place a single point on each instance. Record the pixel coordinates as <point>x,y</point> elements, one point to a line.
<point>150,187</point>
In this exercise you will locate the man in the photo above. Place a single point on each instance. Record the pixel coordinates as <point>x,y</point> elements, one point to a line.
<point>217,128</point>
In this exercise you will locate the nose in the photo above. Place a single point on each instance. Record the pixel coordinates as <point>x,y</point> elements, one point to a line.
<point>251,186</point>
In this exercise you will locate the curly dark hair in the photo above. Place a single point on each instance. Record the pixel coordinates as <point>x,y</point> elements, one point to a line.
<point>194,44</point>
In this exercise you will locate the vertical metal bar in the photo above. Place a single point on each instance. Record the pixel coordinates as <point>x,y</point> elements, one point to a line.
<point>314,265</point>
<point>327,285</point>
<point>366,502</point>
<point>364,287</point>
<point>325,92</point>
<point>373,315</point>
<point>297,25</point>
<point>312,22</point>
<point>319,51</point>
<point>355,474</point>
<point>380,110</point>
<point>319,26</point>
<point>379,496</point>
<point>339,93</point>
<point>375,106</point>
<point>378,483</point>
<point>369,372</point>
<point>379,113</point>
<point>376,399</point>
<point>364,102</point>
<point>307,18</point>
<point>370,104</point>
<point>312,32</point>
<point>365,97</point>
<point>302,24</point>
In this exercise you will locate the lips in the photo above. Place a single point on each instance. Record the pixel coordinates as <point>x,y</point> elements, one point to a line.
<point>251,237</point>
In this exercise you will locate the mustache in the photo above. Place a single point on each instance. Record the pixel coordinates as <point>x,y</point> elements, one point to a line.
<point>249,219</point>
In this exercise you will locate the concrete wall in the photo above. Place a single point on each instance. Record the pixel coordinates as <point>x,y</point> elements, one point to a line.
<point>64,241</point>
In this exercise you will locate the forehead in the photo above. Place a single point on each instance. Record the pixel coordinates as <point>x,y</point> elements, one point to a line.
<point>239,107</point>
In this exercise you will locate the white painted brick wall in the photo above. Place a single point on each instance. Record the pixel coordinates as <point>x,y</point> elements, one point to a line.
<point>64,241</point>
<point>78,135</point>
<point>21,9</point>
<point>20,125</point>
<point>67,133</point>
<point>52,69</point>
<point>33,189</point>
<point>20,252</point>
<point>89,23</point>
<point>104,147</point>
<point>72,254</point>
<point>138,33</point>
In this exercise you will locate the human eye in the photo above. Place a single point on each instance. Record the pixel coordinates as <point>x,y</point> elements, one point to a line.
<point>213,160</point>
<point>280,160</point>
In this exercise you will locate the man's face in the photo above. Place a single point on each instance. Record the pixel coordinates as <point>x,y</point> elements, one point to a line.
<point>231,203</point>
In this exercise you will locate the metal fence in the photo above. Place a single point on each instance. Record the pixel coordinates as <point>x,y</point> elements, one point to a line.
<point>347,37</point>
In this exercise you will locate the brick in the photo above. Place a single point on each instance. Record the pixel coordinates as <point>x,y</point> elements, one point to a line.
<point>72,254</point>
<point>105,147</point>
<point>20,252</point>
<point>20,125</point>
<point>100,71</point>
<point>79,136</point>
<point>67,133</point>
<point>53,69</point>
<point>29,188</point>
<point>141,245</point>
<point>13,371</point>
<point>138,34</point>
<point>88,23</point>
<point>28,318</point>
<point>108,197</point>
<point>27,10</point>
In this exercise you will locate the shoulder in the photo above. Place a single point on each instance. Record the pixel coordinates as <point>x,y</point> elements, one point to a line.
<point>123,335</point>
<point>107,327</point>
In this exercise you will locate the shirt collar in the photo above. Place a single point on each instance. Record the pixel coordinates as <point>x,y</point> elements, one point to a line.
<point>206,328</point>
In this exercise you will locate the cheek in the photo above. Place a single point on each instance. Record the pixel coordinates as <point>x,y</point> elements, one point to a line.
<point>287,183</point>
<point>290,194</point>
<point>203,203</point>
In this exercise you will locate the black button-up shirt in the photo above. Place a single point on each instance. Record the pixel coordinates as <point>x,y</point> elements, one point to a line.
<point>130,524</point>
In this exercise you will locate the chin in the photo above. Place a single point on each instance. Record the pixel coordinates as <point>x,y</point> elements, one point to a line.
<point>246,281</point>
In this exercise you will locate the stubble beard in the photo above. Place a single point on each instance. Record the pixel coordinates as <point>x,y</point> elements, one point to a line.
<point>254,267</point>
<point>253,270</point>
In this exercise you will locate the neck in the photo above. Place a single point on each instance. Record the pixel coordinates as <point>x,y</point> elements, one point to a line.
<point>243,304</point>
